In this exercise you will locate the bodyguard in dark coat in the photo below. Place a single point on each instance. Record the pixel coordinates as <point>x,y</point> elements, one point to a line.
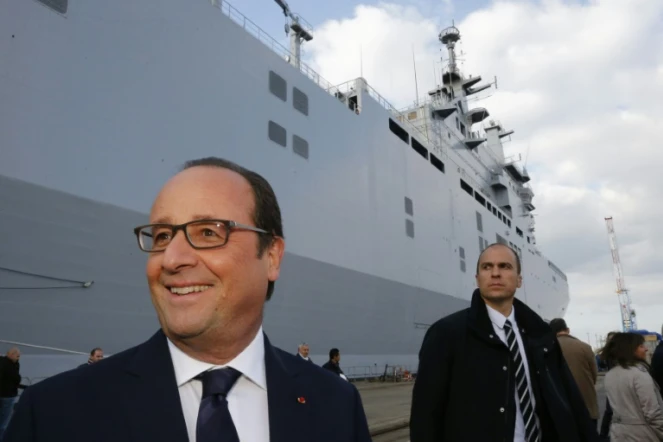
<point>472,387</point>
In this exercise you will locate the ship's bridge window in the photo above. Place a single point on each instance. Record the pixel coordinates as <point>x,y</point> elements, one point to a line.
<point>480,199</point>
<point>56,5</point>
<point>419,148</point>
<point>435,161</point>
<point>519,232</point>
<point>409,228</point>
<point>479,222</point>
<point>399,131</point>
<point>300,101</point>
<point>278,86</point>
<point>353,105</point>
<point>466,187</point>
<point>300,146</point>
<point>409,206</point>
<point>277,134</point>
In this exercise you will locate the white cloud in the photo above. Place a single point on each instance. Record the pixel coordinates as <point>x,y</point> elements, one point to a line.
<point>582,85</point>
<point>378,41</point>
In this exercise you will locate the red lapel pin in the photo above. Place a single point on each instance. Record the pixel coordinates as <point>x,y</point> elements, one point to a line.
<point>301,400</point>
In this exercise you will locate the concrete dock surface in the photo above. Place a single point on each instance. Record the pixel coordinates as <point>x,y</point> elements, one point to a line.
<point>387,407</point>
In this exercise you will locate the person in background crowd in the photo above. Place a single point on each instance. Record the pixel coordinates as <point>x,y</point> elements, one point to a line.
<point>96,355</point>
<point>657,364</point>
<point>582,363</point>
<point>604,434</point>
<point>333,364</point>
<point>10,382</point>
<point>637,406</point>
<point>302,351</point>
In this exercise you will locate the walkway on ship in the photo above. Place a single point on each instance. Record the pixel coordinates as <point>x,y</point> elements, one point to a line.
<point>387,407</point>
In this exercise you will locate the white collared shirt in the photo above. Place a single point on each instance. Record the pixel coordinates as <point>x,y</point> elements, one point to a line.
<point>247,400</point>
<point>498,320</point>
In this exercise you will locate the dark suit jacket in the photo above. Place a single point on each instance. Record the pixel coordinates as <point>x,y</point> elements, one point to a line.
<point>302,358</point>
<point>10,377</point>
<point>132,396</point>
<point>333,367</point>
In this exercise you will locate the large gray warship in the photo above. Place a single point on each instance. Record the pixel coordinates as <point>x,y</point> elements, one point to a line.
<point>385,212</point>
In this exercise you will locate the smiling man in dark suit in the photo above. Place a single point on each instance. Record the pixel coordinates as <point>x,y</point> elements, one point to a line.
<point>215,244</point>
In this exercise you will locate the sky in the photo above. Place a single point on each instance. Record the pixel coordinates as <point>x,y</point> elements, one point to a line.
<point>580,82</point>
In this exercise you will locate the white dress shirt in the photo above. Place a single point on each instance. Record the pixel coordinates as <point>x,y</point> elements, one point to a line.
<point>247,400</point>
<point>498,320</point>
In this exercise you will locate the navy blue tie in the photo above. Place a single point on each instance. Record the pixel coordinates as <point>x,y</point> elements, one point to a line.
<point>214,421</point>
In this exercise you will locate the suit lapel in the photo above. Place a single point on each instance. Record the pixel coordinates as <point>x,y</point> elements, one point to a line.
<point>289,405</point>
<point>154,409</point>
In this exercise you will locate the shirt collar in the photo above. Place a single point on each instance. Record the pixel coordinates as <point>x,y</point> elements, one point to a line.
<point>250,362</point>
<point>499,319</point>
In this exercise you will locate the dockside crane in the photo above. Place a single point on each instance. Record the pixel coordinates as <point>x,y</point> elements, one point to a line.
<point>628,314</point>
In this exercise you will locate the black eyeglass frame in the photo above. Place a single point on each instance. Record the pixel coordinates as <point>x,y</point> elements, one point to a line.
<point>229,225</point>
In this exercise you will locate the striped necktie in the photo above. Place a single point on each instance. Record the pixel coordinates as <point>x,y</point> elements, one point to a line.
<point>531,429</point>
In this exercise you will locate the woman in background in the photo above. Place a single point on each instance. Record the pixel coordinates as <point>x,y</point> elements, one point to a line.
<point>634,397</point>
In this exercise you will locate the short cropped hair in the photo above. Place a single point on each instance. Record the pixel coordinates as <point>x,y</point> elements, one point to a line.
<point>266,213</point>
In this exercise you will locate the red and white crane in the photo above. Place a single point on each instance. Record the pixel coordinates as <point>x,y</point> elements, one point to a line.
<point>628,314</point>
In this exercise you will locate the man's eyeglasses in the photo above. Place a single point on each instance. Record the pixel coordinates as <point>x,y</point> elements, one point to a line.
<point>201,234</point>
